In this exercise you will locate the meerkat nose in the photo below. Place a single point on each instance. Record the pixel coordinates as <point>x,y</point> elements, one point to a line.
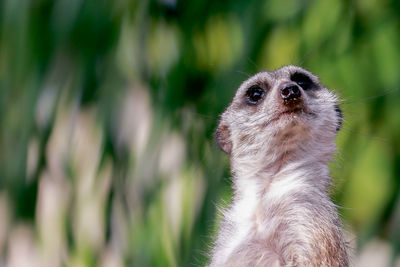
<point>290,92</point>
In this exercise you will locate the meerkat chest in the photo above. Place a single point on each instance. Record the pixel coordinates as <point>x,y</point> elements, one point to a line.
<point>242,216</point>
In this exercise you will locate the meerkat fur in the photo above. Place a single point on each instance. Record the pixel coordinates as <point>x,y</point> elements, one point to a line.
<point>279,132</point>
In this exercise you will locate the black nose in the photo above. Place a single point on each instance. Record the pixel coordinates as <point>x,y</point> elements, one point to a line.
<point>290,91</point>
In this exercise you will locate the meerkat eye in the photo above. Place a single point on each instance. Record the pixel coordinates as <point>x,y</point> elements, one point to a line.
<point>302,80</point>
<point>255,94</point>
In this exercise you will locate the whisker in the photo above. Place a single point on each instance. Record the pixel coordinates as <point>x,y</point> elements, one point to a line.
<point>244,73</point>
<point>253,63</point>
<point>370,97</point>
<point>366,135</point>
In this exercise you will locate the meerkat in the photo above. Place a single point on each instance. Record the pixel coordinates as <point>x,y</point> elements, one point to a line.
<point>280,134</point>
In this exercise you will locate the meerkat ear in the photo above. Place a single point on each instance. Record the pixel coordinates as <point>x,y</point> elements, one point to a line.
<point>339,114</point>
<point>223,138</point>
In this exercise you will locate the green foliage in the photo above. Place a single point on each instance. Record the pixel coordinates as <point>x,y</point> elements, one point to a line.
<point>107,110</point>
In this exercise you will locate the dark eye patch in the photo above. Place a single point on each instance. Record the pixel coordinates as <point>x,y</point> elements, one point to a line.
<point>255,94</point>
<point>339,113</point>
<point>302,80</point>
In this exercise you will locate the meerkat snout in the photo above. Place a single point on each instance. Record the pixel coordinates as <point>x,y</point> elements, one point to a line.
<point>290,92</point>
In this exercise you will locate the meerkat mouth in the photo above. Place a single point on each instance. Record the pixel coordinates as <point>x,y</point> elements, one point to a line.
<point>295,112</point>
<point>292,114</point>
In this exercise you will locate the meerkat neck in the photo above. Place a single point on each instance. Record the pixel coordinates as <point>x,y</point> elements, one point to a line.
<point>293,211</point>
<point>299,175</point>
<point>310,180</point>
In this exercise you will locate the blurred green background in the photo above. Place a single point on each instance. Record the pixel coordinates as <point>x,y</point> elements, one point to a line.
<point>107,110</point>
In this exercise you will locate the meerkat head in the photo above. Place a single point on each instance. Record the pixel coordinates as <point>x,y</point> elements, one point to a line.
<point>284,111</point>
